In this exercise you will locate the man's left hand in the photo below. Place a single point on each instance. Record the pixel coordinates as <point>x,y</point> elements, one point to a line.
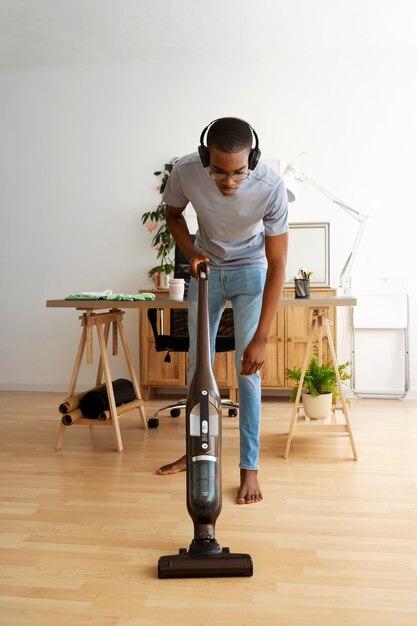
<point>253,357</point>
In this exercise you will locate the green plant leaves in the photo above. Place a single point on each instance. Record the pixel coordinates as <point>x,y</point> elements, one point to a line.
<point>162,241</point>
<point>318,379</point>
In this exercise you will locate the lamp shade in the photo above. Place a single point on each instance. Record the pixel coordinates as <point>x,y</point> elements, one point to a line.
<point>290,182</point>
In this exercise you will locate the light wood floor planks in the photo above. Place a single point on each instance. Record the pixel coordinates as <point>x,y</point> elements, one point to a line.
<point>333,543</point>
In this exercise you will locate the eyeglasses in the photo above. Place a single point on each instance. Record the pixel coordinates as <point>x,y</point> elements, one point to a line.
<point>219,176</point>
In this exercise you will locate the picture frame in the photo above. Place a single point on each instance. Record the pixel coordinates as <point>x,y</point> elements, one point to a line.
<point>309,249</point>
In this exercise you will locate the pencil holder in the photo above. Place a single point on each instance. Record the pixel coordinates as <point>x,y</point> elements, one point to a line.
<point>302,287</point>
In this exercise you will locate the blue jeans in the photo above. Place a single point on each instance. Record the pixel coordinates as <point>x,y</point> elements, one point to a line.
<point>244,288</point>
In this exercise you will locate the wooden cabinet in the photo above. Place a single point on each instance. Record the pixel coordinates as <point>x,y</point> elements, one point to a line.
<point>297,323</point>
<point>286,348</point>
<point>155,370</point>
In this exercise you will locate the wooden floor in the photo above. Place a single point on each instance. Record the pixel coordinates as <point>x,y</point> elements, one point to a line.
<point>333,543</point>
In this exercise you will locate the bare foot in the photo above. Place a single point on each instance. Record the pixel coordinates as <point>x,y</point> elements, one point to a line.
<point>249,490</point>
<point>173,468</point>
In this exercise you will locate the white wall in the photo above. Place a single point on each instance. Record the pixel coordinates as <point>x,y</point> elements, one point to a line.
<point>78,148</point>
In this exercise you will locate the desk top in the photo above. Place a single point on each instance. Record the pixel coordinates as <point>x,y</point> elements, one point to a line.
<point>166,303</point>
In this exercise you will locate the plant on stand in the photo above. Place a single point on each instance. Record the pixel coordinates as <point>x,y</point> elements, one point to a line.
<point>319,386</point>
<point>162,241</point>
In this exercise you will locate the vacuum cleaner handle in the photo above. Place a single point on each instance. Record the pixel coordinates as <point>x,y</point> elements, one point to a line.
<point>203,271</point>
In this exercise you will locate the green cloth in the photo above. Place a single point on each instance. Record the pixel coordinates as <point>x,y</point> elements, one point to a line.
<point>113,296</point>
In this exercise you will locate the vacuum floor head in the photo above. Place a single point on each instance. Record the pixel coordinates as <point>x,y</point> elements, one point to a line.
<point>189,565</point>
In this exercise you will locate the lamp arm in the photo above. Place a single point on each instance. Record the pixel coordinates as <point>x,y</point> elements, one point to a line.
<point>347,268</point>
<point>345,279</point>
<point>352,212</point>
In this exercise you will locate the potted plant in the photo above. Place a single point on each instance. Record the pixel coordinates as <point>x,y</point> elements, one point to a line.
<point>319,386</point>
<point>162,241</point>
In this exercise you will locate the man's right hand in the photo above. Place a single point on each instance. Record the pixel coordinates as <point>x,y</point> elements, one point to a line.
<point>195,260</point>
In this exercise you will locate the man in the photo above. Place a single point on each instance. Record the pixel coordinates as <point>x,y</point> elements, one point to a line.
<point>241,208</point>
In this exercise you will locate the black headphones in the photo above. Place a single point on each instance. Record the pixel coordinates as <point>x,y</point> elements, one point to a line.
<point>254,154</point>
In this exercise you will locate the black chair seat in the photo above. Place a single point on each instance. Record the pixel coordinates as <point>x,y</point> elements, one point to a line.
<point>176,343</point>
<point>181,343</point>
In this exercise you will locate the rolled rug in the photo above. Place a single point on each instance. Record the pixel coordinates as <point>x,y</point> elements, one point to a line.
<point>96,401</point>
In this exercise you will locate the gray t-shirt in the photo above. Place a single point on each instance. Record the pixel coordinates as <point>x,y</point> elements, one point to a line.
<point>231,229</point>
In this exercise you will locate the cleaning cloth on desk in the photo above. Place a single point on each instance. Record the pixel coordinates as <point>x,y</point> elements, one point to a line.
<point>111,296</point>
<point>98,294</point>
<point>90,295</point>
<point>130,296</point>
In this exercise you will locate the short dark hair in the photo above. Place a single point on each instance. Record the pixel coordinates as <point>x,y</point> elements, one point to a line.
<point>229,134</point>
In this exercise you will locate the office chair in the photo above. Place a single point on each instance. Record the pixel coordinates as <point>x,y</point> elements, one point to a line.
<point>179,341</point>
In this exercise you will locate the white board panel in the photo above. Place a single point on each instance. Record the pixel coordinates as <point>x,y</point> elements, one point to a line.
<point>380,311</point>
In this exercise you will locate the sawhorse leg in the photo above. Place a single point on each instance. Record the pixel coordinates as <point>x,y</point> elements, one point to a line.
<point>320,319</point>
<point>72,384</point>
<point>294,416</point>
<point>339,385</point>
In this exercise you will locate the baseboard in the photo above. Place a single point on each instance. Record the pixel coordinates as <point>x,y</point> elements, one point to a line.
<point>40,387</point>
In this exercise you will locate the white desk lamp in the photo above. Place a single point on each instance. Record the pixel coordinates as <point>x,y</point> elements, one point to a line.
<point>291,176</point>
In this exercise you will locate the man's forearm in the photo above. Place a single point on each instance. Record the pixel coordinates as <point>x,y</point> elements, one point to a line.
<point>179,230</point>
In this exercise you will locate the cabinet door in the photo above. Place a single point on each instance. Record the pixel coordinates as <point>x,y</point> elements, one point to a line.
<point>221,369</point>
<point>272,373</point>
<point>298,322</point>
<point>154,371</point>
<point>162,374</point>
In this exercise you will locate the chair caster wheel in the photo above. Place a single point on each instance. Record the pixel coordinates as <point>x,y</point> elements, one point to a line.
<point>175,412</point>
<point>153,422</point>
<point>232,412</point>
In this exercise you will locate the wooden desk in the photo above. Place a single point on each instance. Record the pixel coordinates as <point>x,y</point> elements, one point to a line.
<point>102,321</point>
<point>166,303</point>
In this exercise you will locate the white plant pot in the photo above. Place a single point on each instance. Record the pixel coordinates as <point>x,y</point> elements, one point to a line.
<point>317,408</point>
<point>161,280</point>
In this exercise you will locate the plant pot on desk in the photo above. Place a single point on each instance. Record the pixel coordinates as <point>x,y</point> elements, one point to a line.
<point>161,280</point>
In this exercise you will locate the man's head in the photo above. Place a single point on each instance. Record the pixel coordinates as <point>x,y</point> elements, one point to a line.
<point>229,153</point>
<point>229,134</point>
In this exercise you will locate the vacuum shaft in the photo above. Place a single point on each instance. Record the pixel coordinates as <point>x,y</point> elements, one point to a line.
<point>205,557</point>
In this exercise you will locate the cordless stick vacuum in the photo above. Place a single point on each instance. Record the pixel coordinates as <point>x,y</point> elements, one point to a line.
<point>205,557</point>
